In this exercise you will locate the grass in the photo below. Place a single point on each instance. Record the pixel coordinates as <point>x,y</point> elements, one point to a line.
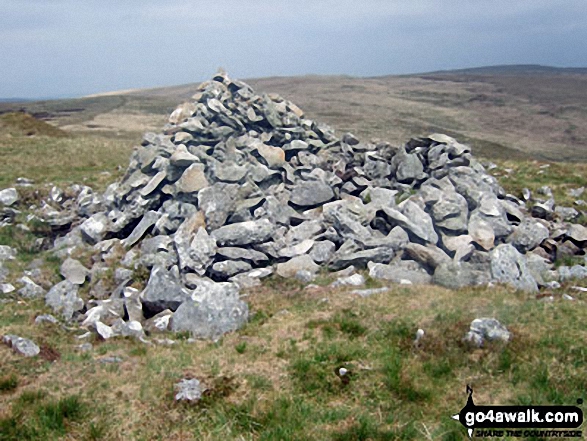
<point>89,160</point>
<point>34,416</point>
<point>560,177</point>
<point>276,380</point>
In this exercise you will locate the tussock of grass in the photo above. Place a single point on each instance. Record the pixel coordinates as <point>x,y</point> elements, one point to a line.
<point>8,383</point>
<point>33,417</point>
<point>24,124</point>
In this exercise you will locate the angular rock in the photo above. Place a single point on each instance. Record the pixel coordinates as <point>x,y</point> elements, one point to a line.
<point>273,156</point>
<point>295,250</point>
<point>574,272</point>
<point>159,322</point>
<point>322,251</point>
<point>566,213</point>
<point>46,318</point>
<point>163,291</point>
<point>7,253</point>
<point>74,271</point>
<point>6,288</point>
<point>483,329</point>
<point>429,256</point>
<point>217,202</point>
<point>577,232</point>
<point>30,289</point>
<point>243,233</point>
<point>311,194</point>
<point>63,299</point>
<point>360,259</point>
<point>8,196</point>
<point>354,280</point>
<point>94,228</point>
<point>147,221</point>
<point>400,271</point>
<point>106,311</point>
<point>415,221</point>
<point>481,232</point>
<point>508,266</point>
<point>193,179</point>
<point>528,235</point>
<point>456,275</point>
<point>228,268</point>
<point>214,310</point>
<point>235,253</point>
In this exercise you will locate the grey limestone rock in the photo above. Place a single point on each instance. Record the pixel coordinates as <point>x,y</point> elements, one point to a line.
<point>528,235</point>
<point>8,196</point>
<point>63,299</point>
<point>30,289</point>
<point>163,291</point>
<point>7,253</point>
<point>455,275</point>
<point>213,310</point>
<point>486,328</point>
<point>22,346</point>
<point>290,268</point>
<point>310,194</point>
<point>400,271</point>
<point>243,233</point>
<point>189,390</point>
<point>74,271</point>
<point>509,266</point>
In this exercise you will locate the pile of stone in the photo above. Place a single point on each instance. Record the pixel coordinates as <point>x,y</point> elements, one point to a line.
<point>238,186</point>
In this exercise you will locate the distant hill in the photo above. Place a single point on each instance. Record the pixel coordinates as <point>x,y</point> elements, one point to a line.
<point>525,111</point>
<point>515,69</point>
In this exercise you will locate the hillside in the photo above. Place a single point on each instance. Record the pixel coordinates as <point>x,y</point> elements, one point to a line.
<point>503,111</point>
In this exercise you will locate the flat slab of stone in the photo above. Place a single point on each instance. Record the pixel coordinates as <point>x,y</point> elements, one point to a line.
<point>290,268</point>
<point>311,194</point>
<point>243,233</point>
<point>22,346</point>
<point>74,271</point>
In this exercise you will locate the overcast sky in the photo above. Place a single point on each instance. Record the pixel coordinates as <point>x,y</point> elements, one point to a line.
<point>58,48</point>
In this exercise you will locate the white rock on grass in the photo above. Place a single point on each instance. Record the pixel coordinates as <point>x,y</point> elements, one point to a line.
<point>486,329</point>
<point>21,345</point>
<point>188,390</point>
<point>8,196</point>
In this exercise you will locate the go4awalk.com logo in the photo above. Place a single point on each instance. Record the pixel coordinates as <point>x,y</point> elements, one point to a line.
<point>520,421</point>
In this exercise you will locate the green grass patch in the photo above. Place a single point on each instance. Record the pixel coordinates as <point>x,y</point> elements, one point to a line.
<point>8,383</point>
<point>35,417</point>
